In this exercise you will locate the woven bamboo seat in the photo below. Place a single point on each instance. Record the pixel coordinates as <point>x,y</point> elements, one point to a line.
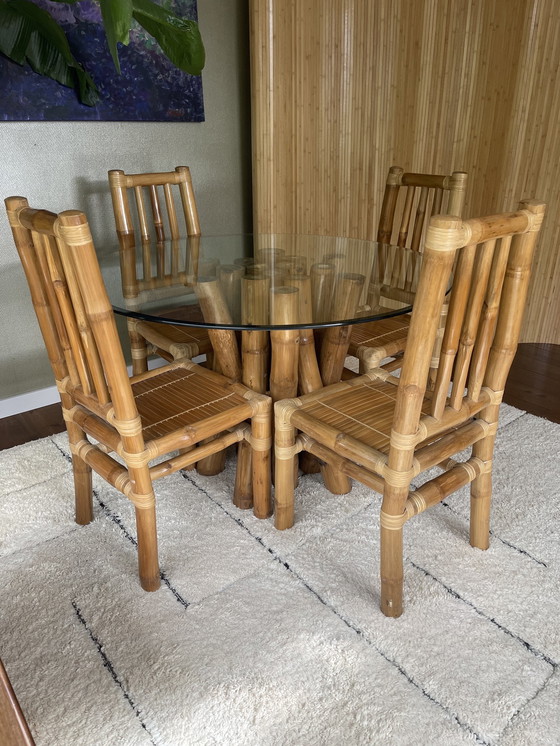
<point>363,412</point>
<point>376,340</point>
<point>179,396</point>
<point>157,422</point>
<point>165,338</point>
<point>408,201</point>
<point>154,225</point>
<point>384,430</point>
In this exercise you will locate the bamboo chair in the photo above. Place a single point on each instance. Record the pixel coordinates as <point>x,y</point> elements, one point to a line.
<point>178,407</point>
<point>384,431</point>
<point>155,224</point>
<point>408,200</point>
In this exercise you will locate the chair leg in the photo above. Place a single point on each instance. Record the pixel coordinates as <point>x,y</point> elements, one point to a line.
<point>261,435</point>
<point>481,496</point>
<point>391,549</point>
<point>333,354</point>
<point>148,564</point>
<point>308,463</point>
<point>83,495</point>
<point>243,490</point>
<point>82,491</point>
<point>212,465</point>
<point>284,480</point>
<point>138,349</point>
<point>391,571</point>
<point>335,481</point>
<point>481,486</point>
<point>309,380</point>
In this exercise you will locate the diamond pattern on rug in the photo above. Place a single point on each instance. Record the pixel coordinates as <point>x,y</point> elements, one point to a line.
<point>259,637</point>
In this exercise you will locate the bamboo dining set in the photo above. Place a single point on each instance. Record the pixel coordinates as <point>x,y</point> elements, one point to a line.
<point>381,359</point>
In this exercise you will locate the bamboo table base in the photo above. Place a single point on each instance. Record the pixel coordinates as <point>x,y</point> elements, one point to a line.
<point>251,301</point>
<point>282,361</point>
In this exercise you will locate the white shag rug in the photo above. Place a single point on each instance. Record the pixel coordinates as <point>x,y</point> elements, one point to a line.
<point>267,638</point>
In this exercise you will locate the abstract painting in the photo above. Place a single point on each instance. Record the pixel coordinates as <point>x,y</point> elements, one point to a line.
<point>149,89</point>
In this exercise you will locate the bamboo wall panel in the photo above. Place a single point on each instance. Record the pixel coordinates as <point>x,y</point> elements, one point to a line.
<point>342,89</point>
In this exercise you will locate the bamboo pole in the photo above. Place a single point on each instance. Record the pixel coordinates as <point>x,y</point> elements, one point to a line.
<point>255,345</point>
<point>284,343</point>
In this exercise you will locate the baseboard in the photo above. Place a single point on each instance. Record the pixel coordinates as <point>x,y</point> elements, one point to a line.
<point>44,397</point>
<point>26,402</point>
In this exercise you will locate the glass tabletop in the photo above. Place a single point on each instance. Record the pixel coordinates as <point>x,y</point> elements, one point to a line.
<point>260,281</point>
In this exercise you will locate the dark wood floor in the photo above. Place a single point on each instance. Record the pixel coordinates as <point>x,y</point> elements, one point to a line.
<point>533,385</point>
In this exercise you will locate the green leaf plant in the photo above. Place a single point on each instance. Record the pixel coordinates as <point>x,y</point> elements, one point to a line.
<point>29,34</point>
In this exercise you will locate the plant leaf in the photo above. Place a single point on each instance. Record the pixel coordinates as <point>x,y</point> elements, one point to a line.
<point>29,34</point>
<point>117,17</point>
<point>179,38</point>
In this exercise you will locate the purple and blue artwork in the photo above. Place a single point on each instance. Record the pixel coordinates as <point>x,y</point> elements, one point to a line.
<point>149,89</point>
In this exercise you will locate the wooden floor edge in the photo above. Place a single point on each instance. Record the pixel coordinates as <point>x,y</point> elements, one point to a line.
<point>13,726</point>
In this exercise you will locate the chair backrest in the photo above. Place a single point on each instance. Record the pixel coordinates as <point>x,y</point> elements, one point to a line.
<point>488,296</point>
<point>72,307</point>
<point>411,198</point>
<point>153,211</point>
<point>156,218</point>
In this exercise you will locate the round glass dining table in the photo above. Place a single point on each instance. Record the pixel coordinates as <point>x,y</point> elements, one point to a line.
<point>265,288</point>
